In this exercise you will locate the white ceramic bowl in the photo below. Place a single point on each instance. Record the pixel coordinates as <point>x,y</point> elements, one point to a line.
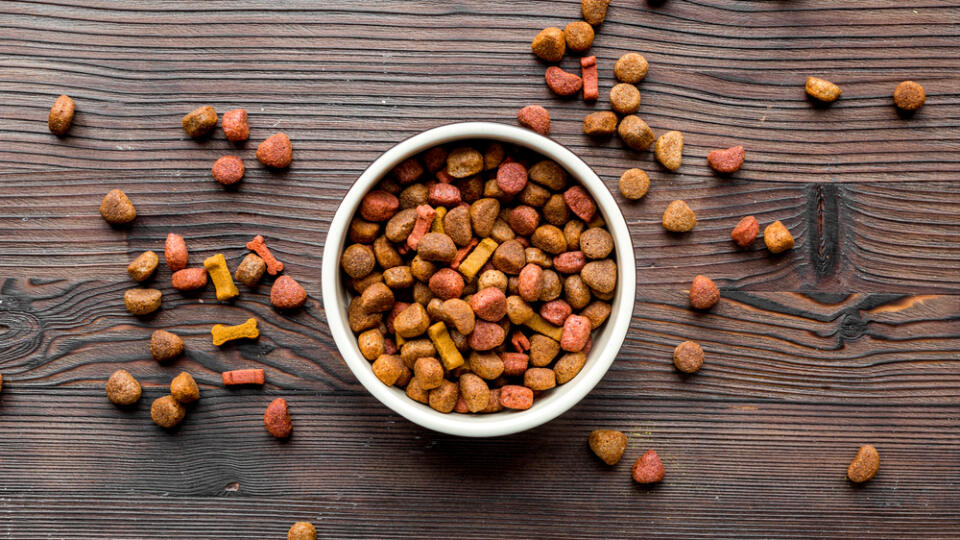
<point>554,402</point>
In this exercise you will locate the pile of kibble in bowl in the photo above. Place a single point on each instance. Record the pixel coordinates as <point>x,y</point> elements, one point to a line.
<point>479,272</point>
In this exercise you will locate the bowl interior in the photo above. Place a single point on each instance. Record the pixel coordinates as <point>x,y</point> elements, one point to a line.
<point>606,342</point>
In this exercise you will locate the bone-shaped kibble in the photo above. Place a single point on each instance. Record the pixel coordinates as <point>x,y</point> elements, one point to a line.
<point>223,333</point>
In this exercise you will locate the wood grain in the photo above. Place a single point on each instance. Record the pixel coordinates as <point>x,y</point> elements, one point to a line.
<point>851,337</point>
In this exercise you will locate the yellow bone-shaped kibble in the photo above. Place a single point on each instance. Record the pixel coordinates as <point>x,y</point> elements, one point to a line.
<point>438,221</point>
<point>449,355</point>
<point>217,268</point>
<point>539,324</point>
<point>223,333</point>
<point>477,258</point>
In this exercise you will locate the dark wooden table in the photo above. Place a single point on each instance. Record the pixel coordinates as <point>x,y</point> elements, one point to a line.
<point>853,337</point>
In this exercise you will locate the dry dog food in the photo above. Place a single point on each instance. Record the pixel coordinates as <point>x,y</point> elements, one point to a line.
<point>499,295</point>
<point>669,150</point>
<point>594,11</point>
<point>189,279</point>
<point>61,115</point>
<point>561,82</point>
<point>688,357</point>
<point>286,293</point>
<point>634,184</point>
<point>142,301</point>
<point>608,445</point>
<point>746,231</point>
<point>141,268</point>
<point>908,96</point>
<point>222,333</point>
<point>777,237</point>
<point>704,293</point>
<point>184,389</point>
<point>235,125</point>
<point>588,68</point>
<point>122,388</point>
<point>624,98</point>
<point>199,121</point>
<point>259,246</point>
<point>865,465</point>
<point>302,530</point>
<point>277,419</point>
<point>822,90</point>
<point>240,377</point>
<point>228,170</point>
<point>167,412</point>
<point>165,346</point>
<point>276,151</point>
<point>601,123</point>
<point>630,68</point>
<point>678,217</point>
<point>217,268</point>
<point>726,161</point>
<point>635,133</point>
<point>175,252</point>
<point>578,36</point>
<point>116,208</point>
<point>648,468</point>
<point>549,44</point>
<point>251,269</point>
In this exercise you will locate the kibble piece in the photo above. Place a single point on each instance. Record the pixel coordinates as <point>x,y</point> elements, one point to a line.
<point>142,301</point>
<point>199,121</point>
<point>116,208</point>
<point>175,252</point>
<point>648,468</point>
<point>189,279</point>
<point>688,357</point>
<point>777,237</point>
<point>216,266</point>
<point>865,465</point>
<point>630,68</point>
<point>597,312</point>
<point>635,133</point>
<point>412,321</point>
<point>184,389</point>
<point>494,154</point>
<point>302,530</point>
<point>537,378</point>
<point>487,365</point>
<point>634,184</point>
<point>678,217</point>
<point>61,115</point>
<point>277,419</point>
<point>458,313</point>
<point>727,161</point>
<point>601,276</point>
<point>167,412</point>
<point>165,346</point>
<point>909,96</point>
<point>286,293</point>
<point>596,243</point>
<point>704,293</point>
<point>746,231</point>
<point>444,397</point>
<point>276,151</point>
<point>549,44</point>
<point>222,333</point>
<point>251,269</point>
<point>516,397</point>
<point>228,170</point>
<point>388,368</point>
<point>550,239</point>
<point>822,90</point>
<point>141,268</point>
<point>569,366</point>
<point>625,98</point>
<point>608,445</point>
<point>379,205</point>
<point>474,392</point>
<point>578,36</point>
<point>464,162</point>
<point>122,388</point>
<point>536,118</point>
<point>600,123</point>
<point>594,11</point>
<point>235,125</point>
<point>562,82</point>
<point>358,260</point>
<point>669,150</point>
<point>240,377</point>
<point>371,344</point>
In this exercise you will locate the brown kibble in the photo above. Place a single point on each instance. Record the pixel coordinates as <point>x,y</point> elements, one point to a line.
<point>165,346</point>
<point>474,392</point>
<point>122,388</point>
<point>822,90</point>
<point>142,301</point>
<point>416,392</point>
<point>726,161</point>
<point>688,357</point>
<point>538,378</point>
<point>704,293</point>
<point>483,214</point>
<point>357,260</point>
<point>561,82</point>
<point>412,321</point>
<point>458,313</point>
<point>625,98</point>
<point>228,170</point>
<point>578,36</point>
<point>536,118</point>
<point>235,125</point>
<point>251,269</point>
<point>597,312</point>
<point>184,389</point>
<point>745,232</point>
<point>601,276</point>
<point>631,68</point>
<point>277,421</point>
<point>444,397</point>
<point>116,208</point>
<point>437,247</point>
<point>486,365</point>
<point>594,11</point>
<point>548,174</point>
<point>379,205</point>
<point>286,293</point>
<point>600,123</point>
<point>596,243</point>
<point>141,268</point>
<point>175,252</point>
<point>464,162</point>
<point>908,96</point>
<point>550,239</point>
<point>359,319</point>
<point>61,115</point>
<point>648,469</point>
<point>302,530</point>
<point>777,237</point>
<point>189,279</point>
<point>634,184</point>
<point>669,150</point>
<point>376,298</point>
<point>428,372</point>
<point>865,465</point>
<point>388,368</point>
<point>635,133</point>
<point>167,412</point>
<point>199,121</point>
<point>678,217</point>
<point>276,151</point>
<point>549,44</point>
<point>608,445</point>
<point>371,344</point>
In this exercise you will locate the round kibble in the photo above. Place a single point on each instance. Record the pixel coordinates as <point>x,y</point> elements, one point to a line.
<point>167,412</point>
<point>437,247</point>
<point>549,175</point>
<point>492,278</point>
<point>630,68</point>
<point>116,208</point>
<point>635,133</point>
<point>474,391</point>
<point>634,184</point>
<point>688,357</point>
<point>608,445</point>
<point>578,36</point>
<point>669,150</point>
<point>596,243</point>
<point>302,530</point>
<point>276,151</point>
<point>625,98</point>
<point>822,90</point>
<point>777,237</point>
<point>549,44</point>
<point>746,231</point>
<point>61,115</point>
<point>456,225</point>
<point>704,293</point>
<point>678,217</point>
<point>909,96</point>
<point>122,388</point>
<point>458,313</point>
<point>569,366</point>
<point>251,269</point>
<point>464,162</point>
<point>539,378</point>
<point>184,388</point>
<point>142,301</point>
<point>601,276</point>
<point>489,304</point>
<point>371,344</point>
<point>235,125</point>
<point>228,170</point>
<point>358,261</point>
<point>165,346</point>
<point>141,268</point>
<point>286,293</point>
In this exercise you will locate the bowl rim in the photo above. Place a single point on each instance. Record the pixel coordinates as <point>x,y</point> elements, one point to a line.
<point>563,397</point>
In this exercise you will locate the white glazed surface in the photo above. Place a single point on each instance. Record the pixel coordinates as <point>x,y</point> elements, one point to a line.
<point>554,402</point>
